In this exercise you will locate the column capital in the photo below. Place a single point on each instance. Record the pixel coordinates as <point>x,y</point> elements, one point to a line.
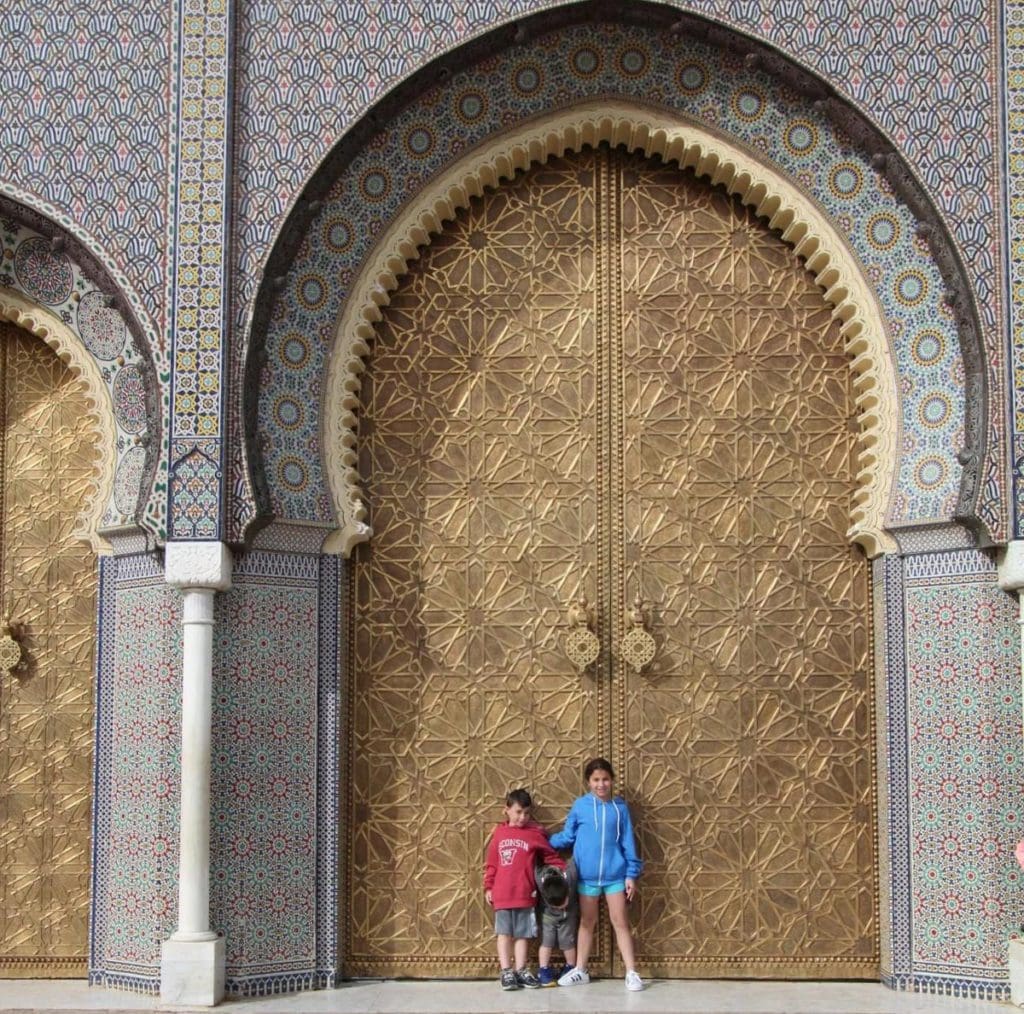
<point>198,565</point>
<point>1010,566</point>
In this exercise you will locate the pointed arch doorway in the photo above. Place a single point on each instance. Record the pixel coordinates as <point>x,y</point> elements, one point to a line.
<point>608,378</point>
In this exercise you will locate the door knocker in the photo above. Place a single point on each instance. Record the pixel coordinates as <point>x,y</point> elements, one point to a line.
<point>581,643</point>
<point>10,650</point>
<point>638,646</point>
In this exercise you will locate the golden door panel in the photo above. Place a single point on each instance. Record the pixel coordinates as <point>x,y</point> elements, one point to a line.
<point>478,443</point>
<point>608,378</point>
<point>746,744</point>
<point>46,710</point>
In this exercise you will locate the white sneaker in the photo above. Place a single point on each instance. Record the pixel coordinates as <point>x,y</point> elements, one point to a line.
<point>634,982</point>
<point>575,977</point>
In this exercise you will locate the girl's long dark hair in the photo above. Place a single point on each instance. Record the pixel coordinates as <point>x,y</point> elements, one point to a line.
<point>597,764</point>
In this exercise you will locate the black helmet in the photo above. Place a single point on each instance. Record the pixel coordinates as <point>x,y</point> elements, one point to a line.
<point>554,887</point>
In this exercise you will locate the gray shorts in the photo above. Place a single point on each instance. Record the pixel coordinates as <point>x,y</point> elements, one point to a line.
<point>560,933</point>
<point>515,922</point>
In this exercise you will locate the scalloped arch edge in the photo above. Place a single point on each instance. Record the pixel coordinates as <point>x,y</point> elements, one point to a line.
<point>800,222</point>
<point>26,314</point>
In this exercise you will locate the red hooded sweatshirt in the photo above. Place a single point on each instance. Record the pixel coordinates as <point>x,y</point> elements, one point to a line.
<point>512,857</point>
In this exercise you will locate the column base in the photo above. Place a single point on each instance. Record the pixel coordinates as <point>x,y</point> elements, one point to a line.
<point>192,972</point>
<point>1017,972</point>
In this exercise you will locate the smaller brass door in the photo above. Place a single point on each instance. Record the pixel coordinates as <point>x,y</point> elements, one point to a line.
<point>48,588</point>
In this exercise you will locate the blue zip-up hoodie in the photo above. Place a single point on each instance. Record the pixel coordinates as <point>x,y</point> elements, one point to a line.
<point>601,836</point>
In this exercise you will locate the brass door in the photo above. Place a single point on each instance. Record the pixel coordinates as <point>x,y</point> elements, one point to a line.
<point>48,588</point>
<point>608,378</point>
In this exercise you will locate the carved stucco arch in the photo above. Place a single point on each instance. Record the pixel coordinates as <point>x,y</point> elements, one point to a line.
<point>800,221</point>
<point>39,321</point>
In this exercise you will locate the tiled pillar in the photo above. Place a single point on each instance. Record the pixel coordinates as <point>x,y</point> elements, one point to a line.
<point>192,960</point>
<point>1011,579</point>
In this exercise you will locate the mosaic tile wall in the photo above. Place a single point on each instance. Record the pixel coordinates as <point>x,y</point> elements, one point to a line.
<point>85,125</point>
<point>201,227</point>
<point>306,73</point>
<point>99,112</point>
<point>264,817</point>
<point>692,78</point>
<point>952,747</point>
<point>1014,155</point>
<point>137,801</point>
<point>274,782</point>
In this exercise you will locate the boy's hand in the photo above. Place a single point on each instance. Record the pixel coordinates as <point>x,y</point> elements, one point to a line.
<point>630,888</point>
<point>489,899</point>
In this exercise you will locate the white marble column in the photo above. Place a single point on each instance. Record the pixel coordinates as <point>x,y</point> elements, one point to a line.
<point>1011,579</point>
<point>192,960</point>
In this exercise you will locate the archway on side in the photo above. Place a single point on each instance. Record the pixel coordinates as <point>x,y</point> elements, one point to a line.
<point>609,378</point>
<point>60,286</point>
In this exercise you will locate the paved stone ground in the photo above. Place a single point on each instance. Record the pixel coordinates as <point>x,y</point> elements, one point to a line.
<point>604,997</point>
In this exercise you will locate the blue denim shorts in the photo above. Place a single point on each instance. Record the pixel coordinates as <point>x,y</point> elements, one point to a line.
<point>596,890</point>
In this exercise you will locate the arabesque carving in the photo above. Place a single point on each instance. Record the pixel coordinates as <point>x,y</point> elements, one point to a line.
<point>38,321</point>
<point>801,223</point>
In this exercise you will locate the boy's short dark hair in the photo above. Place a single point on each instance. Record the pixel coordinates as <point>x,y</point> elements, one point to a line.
<point>520,796</point>
<point>598,764</point>
<point>554,888</point>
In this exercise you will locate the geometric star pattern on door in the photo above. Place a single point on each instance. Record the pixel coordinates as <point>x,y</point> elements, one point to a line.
<point>608,378</point>
<point>49,591</point>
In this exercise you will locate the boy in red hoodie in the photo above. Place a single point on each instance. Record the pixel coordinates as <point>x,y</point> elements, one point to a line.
<point>516,847</point>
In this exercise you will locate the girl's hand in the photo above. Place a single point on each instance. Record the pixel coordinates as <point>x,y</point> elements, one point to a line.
<point>490,901</point>
<point>630,888</point>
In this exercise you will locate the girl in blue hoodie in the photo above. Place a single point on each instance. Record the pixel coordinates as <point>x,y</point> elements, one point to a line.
<point>600,831</point>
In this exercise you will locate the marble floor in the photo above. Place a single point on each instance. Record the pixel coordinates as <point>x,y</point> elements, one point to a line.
<point>605,997</point>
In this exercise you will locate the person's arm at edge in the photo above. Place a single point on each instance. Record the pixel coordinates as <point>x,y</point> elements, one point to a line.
<point>566,838</point>
<point>634,864</point>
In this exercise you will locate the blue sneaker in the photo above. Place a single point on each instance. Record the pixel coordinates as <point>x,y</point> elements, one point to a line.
<point>546,976</point>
